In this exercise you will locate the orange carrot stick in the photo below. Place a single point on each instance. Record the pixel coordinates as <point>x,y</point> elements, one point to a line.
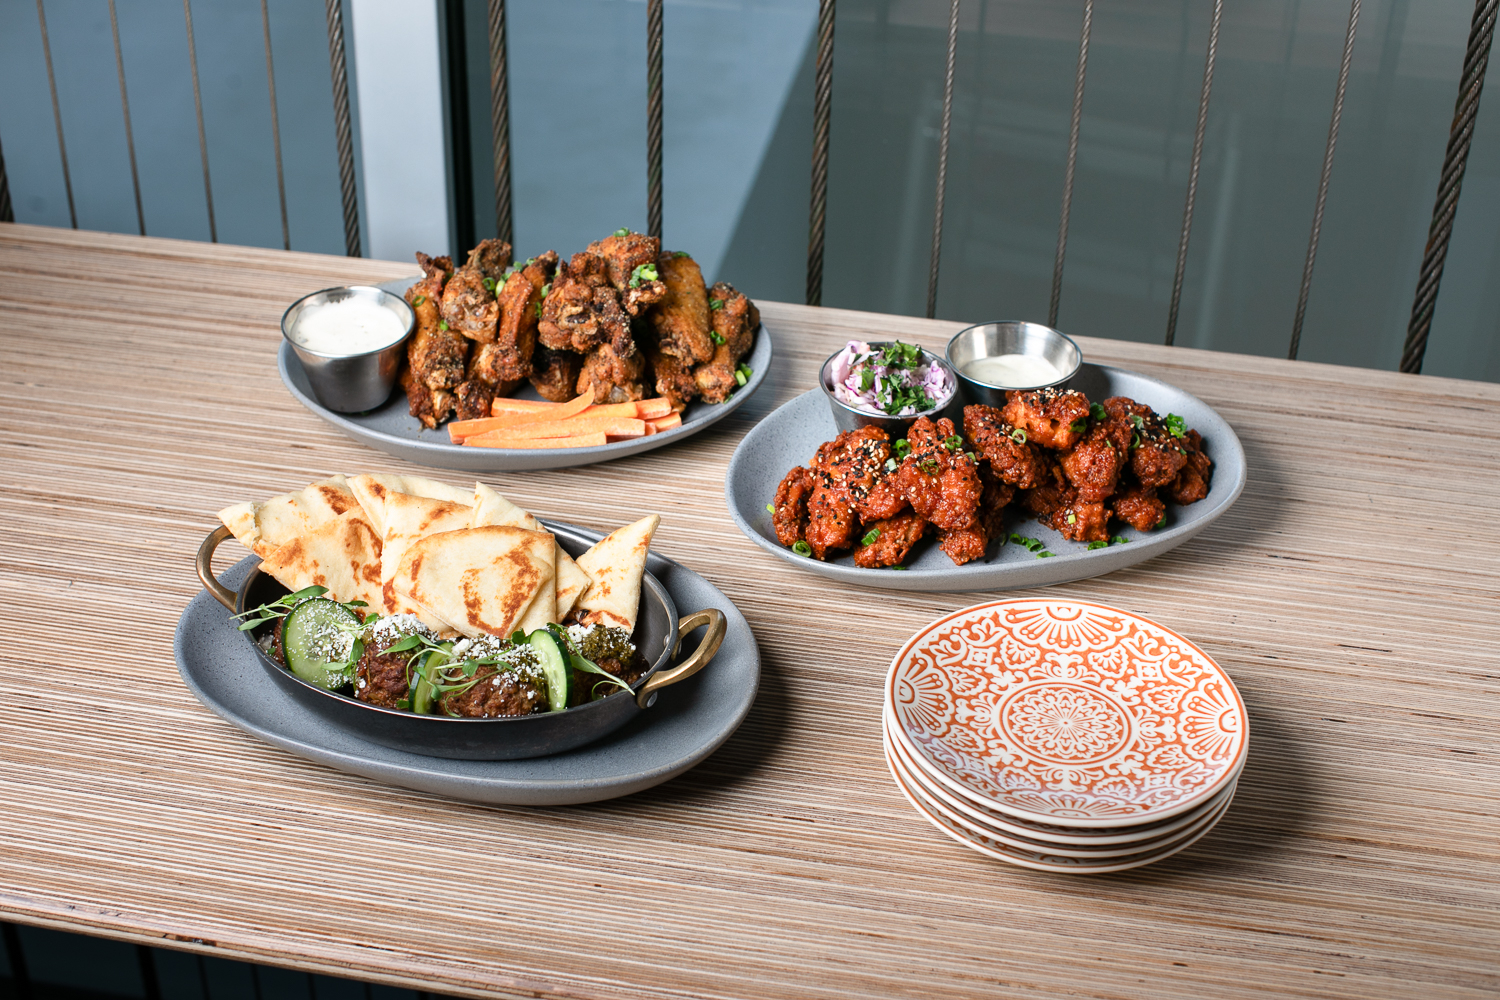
<point>552,411</point>
<point>650,409</point>
<point>669,421</point>
<point>559,429</point>
<point>578,441</point>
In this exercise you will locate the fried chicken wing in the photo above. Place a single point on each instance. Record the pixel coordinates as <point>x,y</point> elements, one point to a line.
<point>967,544</point>
<point>680,318</point>
<point>612,378</point>
<point>789,510</point>
<point>673,377</point>
<point>626,256</point>
<point>554,374</point>
<point>1138,506</point>
<point>430,406</point>
<point>853,463</point>
<point>831,522</point>
<point>520,302</point>
<point>1052,418</point>
<point>491,257</point>
<point>468,305</point>
<point>1191,484</point>
<point>1010,455</point>
<point>894,538</point>
<point>1093,464</point>
<point>435,355</point>
<point>734,319</point>
<point>941,483</point>
<point>1156,456</point>
<point>583,309</point>
<point>1082,521</point>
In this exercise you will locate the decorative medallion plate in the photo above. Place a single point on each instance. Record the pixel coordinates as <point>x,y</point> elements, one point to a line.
<point>1067,713</point>
<point>972,813</point>
<point>916,784</point>
<point>1038,860</point>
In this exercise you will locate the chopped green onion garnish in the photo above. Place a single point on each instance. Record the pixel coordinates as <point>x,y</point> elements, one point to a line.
<point>419,300</point>
<point>870,537</point>
<point>1072,517</point>
<point>1098,545</point>
<point>801,548</point>
<point>715,303</point>
<point>1176,426</point>
<point>1018,435</point>
<point>953,442</point>
<point>622,232</point>
<point>1097,411</point>
<point>716,336</point>
<point>895,567</point>
<point>489,285</point>
<point>1080,425</point>
<point>443,325</point>
<point>903,448</point>
<point>770,508</point>
<point>742,374</point>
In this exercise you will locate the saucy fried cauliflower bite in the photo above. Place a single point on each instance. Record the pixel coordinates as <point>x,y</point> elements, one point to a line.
<point>1070,464</point>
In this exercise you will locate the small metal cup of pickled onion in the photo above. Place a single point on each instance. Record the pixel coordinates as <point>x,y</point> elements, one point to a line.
<point>350,343</point>
<point>849,417</point>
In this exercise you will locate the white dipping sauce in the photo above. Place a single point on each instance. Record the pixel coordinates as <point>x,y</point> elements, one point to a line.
<point>348,327</point>
<point>1013,371</point>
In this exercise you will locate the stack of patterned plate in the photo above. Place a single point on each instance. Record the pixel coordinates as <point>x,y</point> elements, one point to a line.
<point>1063,736</point>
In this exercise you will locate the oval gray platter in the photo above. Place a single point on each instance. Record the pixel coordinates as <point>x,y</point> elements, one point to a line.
<point>791,434</point>
<point>689,721</point>
<point>393,430</point>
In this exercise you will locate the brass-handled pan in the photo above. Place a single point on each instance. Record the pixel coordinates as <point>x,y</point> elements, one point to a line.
<point>659,633</point>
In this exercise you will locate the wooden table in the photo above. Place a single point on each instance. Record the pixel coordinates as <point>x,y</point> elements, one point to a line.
<point>1351,593</point>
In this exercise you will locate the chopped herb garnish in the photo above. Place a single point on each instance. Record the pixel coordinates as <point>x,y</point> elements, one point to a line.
<point>866,379</point>
<point>891,464</point>
<point>546,289</point>
<point>1176,426</point>
<point>1018,435</point>
<point>801,548</point>
<point>870,537</point>
<point>1135,440</point>
<point>928,465</point>
<point>770,508</point>
<point>742,374</point>
<point>896,567</point>
<point>443,325</point>
<point>538,310</point>
<point>1097,411</point>
<point>715,304</point>
<point>1138,420</point>
<point>953,442</point>
<point>1032,545</point>
<point>643,272</point>
<point>1098,545</point>
<point>419,300</point>
<point>1080,425</point>
<point>903,447</point>
<point>680,253</point>
<point>1119,540</point>
<point>622,232</point>
<point>489,285</point>
<point>1072,517</point>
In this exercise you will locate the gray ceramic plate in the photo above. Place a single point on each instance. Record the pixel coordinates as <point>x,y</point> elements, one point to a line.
<point>394,431</point>
<point>688,722</point>
<point>792,433</point>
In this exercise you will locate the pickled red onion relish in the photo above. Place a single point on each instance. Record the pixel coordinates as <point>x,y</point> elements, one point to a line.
<point>896,380</point>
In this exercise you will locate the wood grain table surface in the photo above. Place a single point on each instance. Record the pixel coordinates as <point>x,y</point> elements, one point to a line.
<point>1353,593</point>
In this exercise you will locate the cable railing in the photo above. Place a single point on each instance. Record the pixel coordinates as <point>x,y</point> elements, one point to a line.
<point>1471,86</point>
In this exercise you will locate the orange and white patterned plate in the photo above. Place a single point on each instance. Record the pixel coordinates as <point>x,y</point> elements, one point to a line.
<point>1039,860</point>
<point>1067,713</point>
<point>1042,833</point>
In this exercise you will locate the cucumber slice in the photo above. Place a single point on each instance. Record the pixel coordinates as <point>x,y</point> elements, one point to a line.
<point>311,639</point>
<point>425,693</point>
<point>554,659</point>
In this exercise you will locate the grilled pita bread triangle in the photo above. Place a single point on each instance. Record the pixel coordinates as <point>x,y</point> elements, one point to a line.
<point>264,526</point>
<point>616,565</point>
<point>342,554</point>
<point>481,581</point>
<point>372,489</point>
<point>407,519</point>
<point>492,508</point>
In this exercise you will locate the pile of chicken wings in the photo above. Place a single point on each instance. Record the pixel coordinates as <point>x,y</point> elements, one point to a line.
<point>621,321</point>
<point>1071,464</point>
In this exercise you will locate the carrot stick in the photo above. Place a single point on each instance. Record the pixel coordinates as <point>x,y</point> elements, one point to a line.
<point>650,409</point>
<point>669,421</point>
<point>552,411</point>
<point>578,441</point>
<point>560,429</point>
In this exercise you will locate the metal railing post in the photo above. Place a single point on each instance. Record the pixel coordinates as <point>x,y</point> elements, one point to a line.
<point>822,108</point>
<point>1450,184</point>
<point>342,128</point>
<point>942,165</point>
<point>1068,171</point>
<point>653,117</point>
<point>1192,187</point>
<point>500,121</point>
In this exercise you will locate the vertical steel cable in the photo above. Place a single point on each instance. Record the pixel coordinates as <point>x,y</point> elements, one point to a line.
<point>342,130</point>
<point>265,23</point>
<point>1450,183</point>
<point>1067,197</point>
<point>500,121</point>
<point>135,176</point>
<point>1317,223</point>
<point>942,167</point>
<point>62,147</point>
<point>653,118</point>
<point>822,108</point>
<point>208,190</point>
<point>7,211</point>
<point>1192,188</point>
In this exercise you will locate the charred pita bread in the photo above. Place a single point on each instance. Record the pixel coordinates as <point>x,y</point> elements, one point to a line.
<point>616,565</point>
<point>407,519</point>
<point>492,508</point>
<point>264,526</point>
<point>372,489</point>
<point>481,581</point>
<point>342,554</point>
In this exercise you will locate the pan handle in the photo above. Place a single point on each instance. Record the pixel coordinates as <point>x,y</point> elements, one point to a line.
<point>717,626</point>
<point>223,594</point>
